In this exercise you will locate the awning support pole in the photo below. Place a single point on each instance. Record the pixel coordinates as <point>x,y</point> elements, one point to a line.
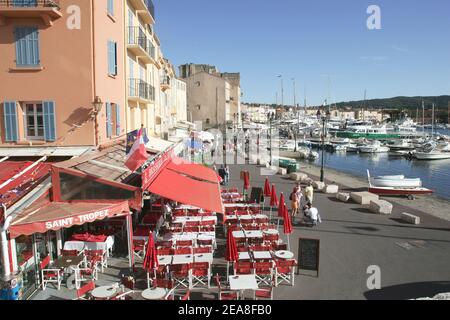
<point>130,241</point>
<point>58,242</point>
<point>4,242</point>
<point>4,159</point>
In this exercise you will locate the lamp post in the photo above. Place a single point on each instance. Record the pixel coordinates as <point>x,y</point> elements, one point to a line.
<point>96,108</point>
<point>269,136</point>
<point>298,117</point>
<point>324,117</point>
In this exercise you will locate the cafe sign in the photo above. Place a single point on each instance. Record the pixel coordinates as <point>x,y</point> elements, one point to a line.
<point>38,221</point>
<point>154,168</point>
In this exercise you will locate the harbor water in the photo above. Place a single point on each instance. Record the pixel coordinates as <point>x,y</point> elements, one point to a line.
<point>434,174</point>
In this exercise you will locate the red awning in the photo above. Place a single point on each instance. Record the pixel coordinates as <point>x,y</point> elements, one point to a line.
<point>190,184</point>
<point>192,169</point>
<point>54,216</point>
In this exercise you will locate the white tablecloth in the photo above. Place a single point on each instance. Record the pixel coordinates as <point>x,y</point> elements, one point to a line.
<point>83,245</point>
<point>243,282</point>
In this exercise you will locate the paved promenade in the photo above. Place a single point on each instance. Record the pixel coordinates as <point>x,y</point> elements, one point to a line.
<point>414,260</point>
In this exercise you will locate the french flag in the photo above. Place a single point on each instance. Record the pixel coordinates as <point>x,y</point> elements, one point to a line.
<point>137,155</point>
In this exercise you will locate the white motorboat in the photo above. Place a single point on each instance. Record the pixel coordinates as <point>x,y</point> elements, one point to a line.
<point>395,181</point>
<point>433,151</point>
<point>374,147</point>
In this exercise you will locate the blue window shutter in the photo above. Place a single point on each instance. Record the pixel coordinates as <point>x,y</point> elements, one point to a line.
<point>111,7</point>
<point>118,129</point>
<point>10,117</point>
<point>27,46</point>
<point>109,58</point>
<point>108,120</point>
<point>49,121</point>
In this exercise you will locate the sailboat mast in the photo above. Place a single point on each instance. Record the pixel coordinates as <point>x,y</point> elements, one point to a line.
<point>432,122</point>
<point>423,117</point>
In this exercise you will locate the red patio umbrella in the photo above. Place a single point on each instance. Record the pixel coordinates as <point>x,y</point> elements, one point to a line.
<point>151,257</point>
<point>281,206</point>
<point>287,225</point>
<point>267,191</point>
<point>231,253</point>
<point>246,180</point>
<point>273,200</point>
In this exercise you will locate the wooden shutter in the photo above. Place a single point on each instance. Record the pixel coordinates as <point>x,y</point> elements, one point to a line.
<point>10,117</point>
<point>49,121</point>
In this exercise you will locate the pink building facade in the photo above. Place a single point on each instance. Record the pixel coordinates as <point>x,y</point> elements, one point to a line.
<point>62,74</point>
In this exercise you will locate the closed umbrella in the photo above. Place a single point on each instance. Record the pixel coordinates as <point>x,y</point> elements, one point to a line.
<point>231,253</point>
<point>267,191</point>
<point>287,225</point>
<point>281,206</point>
<point>246,183</point>
<point>151,256</point>
<point>273,200</point>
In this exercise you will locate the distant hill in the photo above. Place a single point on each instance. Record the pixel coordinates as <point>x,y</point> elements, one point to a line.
<point>441,102</point>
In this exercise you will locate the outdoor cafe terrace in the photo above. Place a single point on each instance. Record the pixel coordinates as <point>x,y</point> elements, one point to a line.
<point>179,252</point>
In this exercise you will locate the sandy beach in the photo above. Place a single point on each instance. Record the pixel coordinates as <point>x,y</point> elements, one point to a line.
<point>433,205</point>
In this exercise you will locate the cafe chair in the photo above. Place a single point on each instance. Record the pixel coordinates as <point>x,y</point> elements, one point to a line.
<point>208,249</point>
<point>49,274</point>
<point>264,272</point>
<point>181,275</point>
<point>139,248</point>
<point>284,272</point>
<point>225,293</point>
<point>84,293</point>
<point>97,257</point>
<point>201,274</point>
<point>182,250</point>
<point>162,283</point>
<point>243,268</point>
<point>176,294</point>
<point>265,293</point>
<point>85,274</point>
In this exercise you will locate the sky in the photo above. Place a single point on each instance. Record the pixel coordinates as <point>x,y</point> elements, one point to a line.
<point>324,44</point>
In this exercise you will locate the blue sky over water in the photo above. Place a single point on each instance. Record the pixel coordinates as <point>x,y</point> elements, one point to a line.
<point>313,41</point>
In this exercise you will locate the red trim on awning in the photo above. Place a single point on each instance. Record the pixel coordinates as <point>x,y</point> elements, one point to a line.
<point>190,184</point>
<point>54,216</point>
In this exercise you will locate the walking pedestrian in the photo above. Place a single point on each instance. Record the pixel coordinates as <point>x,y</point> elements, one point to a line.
<point>294,203</point>
<point>227,174</point>
<point>309,193</point>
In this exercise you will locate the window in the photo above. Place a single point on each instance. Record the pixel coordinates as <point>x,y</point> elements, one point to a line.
<point>113,126</point>
<point>34,121</point>
<point>111,7</point>
<point>112,58</point>
<point>27,46</point>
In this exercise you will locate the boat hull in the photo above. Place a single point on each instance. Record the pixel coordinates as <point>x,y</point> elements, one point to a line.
<point>396,183</point>
<point>355,135</point>
<point>432,156</point>
<point>399,191</point>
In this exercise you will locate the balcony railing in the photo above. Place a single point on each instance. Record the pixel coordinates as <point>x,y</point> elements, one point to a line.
<point>165,80</point>
<point>30,3</point>
<point>137,37</point>
<point>138,88</point>
<point>150,7</point>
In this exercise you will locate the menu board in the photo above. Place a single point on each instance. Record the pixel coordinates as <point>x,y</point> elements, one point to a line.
<point>308,254</point>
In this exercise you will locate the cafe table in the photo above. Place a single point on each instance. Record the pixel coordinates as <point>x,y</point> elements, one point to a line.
<point>244,255</point>
<point>154,293</point>
<point>165,260</point>
<point>105,292</point>
<point>253,234</point>
<point>284,254</point>
<point>262,255</point>
<point>203,257</point>
<point>271,232</point>
<point>67,261</point>
<point>238,234</point>
<point>243,282</point>
<point>182,259</point>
